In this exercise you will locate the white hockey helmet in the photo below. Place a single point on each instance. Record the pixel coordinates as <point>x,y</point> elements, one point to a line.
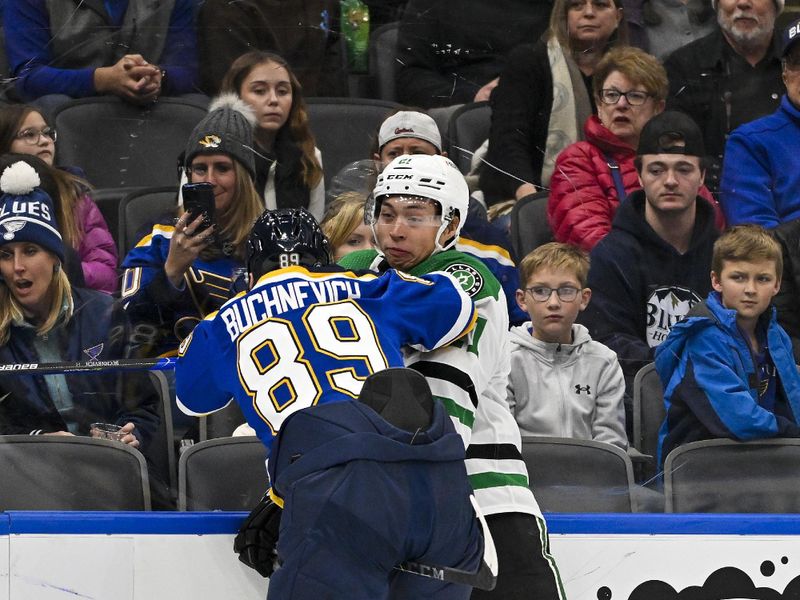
<point>425,176</point>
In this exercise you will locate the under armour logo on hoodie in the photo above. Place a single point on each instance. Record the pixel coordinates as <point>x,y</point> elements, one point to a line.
<point>583,388</point>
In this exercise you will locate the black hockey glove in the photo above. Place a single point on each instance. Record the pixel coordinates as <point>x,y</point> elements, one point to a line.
<point>255,543</point>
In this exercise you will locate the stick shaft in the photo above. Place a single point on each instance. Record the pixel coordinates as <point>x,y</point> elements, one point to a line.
<point>89,366</point>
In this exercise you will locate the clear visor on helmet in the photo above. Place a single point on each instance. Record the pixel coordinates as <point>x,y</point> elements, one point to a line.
<point>409,211</point>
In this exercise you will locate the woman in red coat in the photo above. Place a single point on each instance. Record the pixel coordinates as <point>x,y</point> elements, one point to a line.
<point>629,87</point>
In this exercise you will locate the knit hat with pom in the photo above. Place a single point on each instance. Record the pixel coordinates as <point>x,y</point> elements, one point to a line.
<point>26,211</point>
<point>226,129</point>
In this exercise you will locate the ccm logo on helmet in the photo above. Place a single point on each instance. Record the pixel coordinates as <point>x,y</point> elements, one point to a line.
<point>400,176</point>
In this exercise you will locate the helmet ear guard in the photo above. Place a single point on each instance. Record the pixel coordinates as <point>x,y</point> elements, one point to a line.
<point>284,238</point>
<point>432,177</point>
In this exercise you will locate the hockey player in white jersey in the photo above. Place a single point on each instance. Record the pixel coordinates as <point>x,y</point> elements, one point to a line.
<point>416,212</point>
<point>360,494</point>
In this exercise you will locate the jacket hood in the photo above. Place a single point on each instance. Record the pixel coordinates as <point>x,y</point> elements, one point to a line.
<point>630,218</point>
<point>599,135</point>
<point>521,336</point>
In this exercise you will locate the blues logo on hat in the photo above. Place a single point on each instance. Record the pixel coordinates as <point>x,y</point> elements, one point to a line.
<point>27,213</point>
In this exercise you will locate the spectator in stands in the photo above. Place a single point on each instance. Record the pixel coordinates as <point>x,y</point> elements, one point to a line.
<point>592,177</point>
<point>452,51</point>
<point>731,76</point>
<point>344,225</point>
<point>305,33</point>
<point>562,383</point>
<point>176,275</point>
<point>761,172</point>
<point>787,301</point>
<point>23,130</point>
<point>288,164</point>
<point>653,266</point>
<point>672,24</point>
<point>543,98</point>
<point>44,319</point>
<point>87,49</point>
<point>728,369</point>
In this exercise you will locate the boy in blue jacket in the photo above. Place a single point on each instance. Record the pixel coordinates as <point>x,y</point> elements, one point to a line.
<point>727,368</point>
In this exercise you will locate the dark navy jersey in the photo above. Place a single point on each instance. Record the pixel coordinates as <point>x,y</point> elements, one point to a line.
<point>301,338</point>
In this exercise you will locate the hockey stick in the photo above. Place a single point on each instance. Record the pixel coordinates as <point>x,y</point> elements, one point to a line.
<point>122,364</point>
<point>484,578</point>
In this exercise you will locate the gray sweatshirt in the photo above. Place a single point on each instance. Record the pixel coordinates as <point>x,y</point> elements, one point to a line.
<point>566,390</point>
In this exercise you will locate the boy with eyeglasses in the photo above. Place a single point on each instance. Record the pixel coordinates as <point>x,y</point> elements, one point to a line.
<point>562,383</point>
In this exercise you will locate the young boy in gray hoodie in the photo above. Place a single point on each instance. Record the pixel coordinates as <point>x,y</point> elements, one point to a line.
<point>562,383</point>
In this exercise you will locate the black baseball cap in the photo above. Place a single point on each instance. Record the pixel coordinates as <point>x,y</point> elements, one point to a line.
<point>791,35</point>
<point>671,132</point>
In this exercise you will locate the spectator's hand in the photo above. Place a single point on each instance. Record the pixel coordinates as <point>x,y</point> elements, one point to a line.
<point>127,435</point>
<point>526,189</point>
<point>486,91</point>
<point>131,78</point>
<point>185,247</point>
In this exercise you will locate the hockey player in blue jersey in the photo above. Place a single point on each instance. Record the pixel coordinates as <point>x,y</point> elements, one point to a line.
<point>359,494</point>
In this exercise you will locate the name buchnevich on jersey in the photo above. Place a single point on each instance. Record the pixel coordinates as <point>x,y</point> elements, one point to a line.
<point>277,298</point>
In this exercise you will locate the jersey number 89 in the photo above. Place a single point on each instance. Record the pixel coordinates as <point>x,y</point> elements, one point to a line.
<point>340,330</point>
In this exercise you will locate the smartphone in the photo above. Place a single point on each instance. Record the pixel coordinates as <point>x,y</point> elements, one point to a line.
<point>198,199</point>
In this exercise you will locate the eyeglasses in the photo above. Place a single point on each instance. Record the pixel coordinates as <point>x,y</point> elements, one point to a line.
<point>33,136</point>
<point>634,97</point>
<point>541,293</point>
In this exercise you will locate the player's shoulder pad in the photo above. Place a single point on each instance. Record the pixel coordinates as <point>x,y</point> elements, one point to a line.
<point>473,275</point>
<point>360,260</point>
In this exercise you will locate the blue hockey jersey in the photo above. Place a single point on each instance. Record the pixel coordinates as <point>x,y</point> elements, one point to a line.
<point>301,338</point>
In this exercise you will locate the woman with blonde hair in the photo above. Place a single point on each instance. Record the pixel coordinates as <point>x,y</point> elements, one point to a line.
<point>288,164</point>
<point>544,96</point>
<point>45,319</point>
<point>344,225</point>
<point>23,130</point>
<point>180,271</point>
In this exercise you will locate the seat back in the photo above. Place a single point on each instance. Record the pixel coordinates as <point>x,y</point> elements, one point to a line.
<point>222,474</point>
<point>160,452</point>
<point>344,129</point>
<point>383,60</point>
<point>71,473</point>
<point>570,475</point>
<point>467,129</point>
<point>648,412</point>
<point>119,144</point>
<point>735,477</point>
<point>140,208</point>
<point>529,226</point>
<point>221,423</point>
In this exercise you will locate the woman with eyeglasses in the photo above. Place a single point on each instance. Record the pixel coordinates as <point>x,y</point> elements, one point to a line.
<point>544,96</point>
<point>23,130</point>
<point>593,176</point>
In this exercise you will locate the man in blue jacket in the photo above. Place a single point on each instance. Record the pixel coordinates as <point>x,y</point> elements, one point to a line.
<point>761,173</point>
<point>728,369</point>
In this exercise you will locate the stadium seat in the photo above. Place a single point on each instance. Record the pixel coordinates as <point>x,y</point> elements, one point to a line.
<point>570,475</point>
<point>119,144</point>
<point>160,452</point>
<point>648,415</point>
<point>529,226</point>
<point>726,476</point>
<point>383,60</point>
<point>71,473</point>
<point>222,474</point>
<point>221,423</point>
<point>140,209</point>
<point>345,128</point>
<point>467,129</point>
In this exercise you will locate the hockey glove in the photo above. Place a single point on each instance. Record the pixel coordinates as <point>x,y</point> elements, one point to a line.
<point>255,543</point>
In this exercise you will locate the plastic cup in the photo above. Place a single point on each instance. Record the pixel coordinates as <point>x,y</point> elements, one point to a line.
<point>108,431</point>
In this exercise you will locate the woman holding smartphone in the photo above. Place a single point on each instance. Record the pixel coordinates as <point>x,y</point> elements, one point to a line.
<point>183,270</point>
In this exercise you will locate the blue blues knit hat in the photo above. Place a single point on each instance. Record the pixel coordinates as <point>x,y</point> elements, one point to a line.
<point>26,211</point>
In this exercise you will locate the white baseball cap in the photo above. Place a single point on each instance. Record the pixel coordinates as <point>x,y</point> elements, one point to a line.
<point>410,124</point>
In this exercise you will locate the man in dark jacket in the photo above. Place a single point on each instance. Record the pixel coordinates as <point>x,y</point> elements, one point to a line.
<point>653,266</point>
<point>731,76</point>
